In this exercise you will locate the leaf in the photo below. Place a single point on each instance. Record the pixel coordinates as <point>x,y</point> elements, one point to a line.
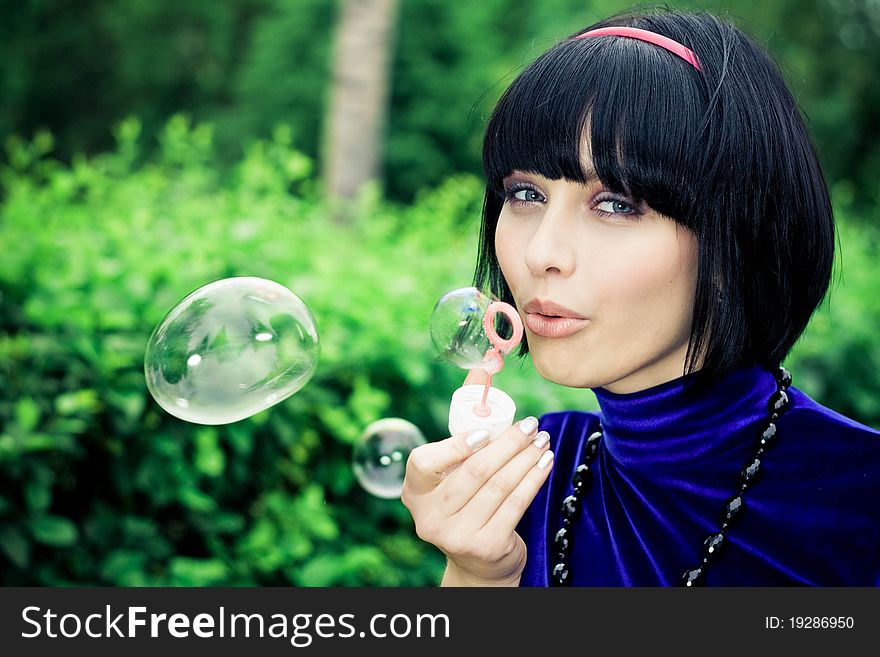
<point>197,500</point>
<point>38,495</point>
<point>197,572</point>
<point>79,401</point>
<point>240,438</point>
<point>27,414</point>
<point>54,530</point>
<point>16,546</point>
<point>122,567</point>
<point>209,459</point>
<point>224,523</point>
<point>130,403</point>
<point>41,441</point>
<point>320,571</point>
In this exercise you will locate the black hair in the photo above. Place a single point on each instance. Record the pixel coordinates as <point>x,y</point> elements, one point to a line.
<point>722,151</point>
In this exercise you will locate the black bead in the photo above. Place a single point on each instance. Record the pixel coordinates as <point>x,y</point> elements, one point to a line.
<point>592,446</point>
<point>581,477</point>
<point>783,378</point>
<point>693,577</point>
<point>562,541</point>
<point>733,508</point>
<point>749,474</point>
<point>778,403</point>
<point>768,436</point>
<point>561,574</point>
<point>569,507</point>
<point>713,544</point>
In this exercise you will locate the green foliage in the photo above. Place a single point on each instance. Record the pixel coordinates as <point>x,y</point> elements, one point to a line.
<point>101,487</point>
<point>838,357</point>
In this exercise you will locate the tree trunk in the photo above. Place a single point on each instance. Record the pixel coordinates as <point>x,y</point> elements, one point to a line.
<point>358,99</point>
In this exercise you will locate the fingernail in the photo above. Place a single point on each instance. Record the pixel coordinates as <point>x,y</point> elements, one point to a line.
<point>477,439</point>
<point>545,459</point>
<point>528,425</point>
<point>541,439</point>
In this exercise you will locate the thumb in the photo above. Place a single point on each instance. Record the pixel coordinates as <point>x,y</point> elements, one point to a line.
<point>476,376</point>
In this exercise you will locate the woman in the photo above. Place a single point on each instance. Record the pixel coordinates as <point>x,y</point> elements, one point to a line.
<point>656,213</point>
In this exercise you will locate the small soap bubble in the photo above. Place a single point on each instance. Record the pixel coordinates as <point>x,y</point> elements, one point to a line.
<point>231,349</point>
<point>379,457</point>
<point>459,333</point>
<point>456,327</point>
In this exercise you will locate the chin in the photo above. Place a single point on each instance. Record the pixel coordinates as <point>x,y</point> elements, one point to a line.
<point>560,370</point>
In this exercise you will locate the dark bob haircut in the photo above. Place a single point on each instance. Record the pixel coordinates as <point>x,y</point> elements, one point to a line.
<point>722,151</point>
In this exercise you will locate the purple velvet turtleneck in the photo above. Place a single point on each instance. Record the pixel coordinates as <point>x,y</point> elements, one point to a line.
<point>666,466</point>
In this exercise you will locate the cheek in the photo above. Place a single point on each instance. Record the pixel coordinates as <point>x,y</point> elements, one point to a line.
<point>659,282</point>
<point>507,250</point>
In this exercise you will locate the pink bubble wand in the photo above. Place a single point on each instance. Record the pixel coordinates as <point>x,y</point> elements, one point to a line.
<point>493,360</point>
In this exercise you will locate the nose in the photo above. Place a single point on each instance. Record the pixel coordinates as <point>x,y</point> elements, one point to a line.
<point>550,251</point>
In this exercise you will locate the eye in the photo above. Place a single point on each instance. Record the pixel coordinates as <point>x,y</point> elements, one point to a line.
<point>520,194</point>
<point>614,206</point>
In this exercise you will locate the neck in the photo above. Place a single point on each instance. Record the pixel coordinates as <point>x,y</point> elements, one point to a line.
<point>666,368</point>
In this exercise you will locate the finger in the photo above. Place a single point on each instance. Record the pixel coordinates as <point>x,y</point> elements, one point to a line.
<point>428,464</point>
<point>462,483</point>
<point>476,376</point>
<point>498,489</point>
<point>514,506</point>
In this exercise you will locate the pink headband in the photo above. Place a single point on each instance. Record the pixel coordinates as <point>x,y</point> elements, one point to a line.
<point>651,37</point>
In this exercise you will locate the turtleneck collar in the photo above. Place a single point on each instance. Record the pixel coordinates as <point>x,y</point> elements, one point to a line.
<point>662,428</point>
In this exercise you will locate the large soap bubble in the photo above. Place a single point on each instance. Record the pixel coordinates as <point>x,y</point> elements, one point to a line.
<point>231,349</point>
<point>379,457</point>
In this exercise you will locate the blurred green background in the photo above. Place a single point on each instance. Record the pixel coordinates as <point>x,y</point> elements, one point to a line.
<point>153,146</point>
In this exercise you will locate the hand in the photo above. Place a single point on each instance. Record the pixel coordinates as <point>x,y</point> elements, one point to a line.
<point>467,494</point>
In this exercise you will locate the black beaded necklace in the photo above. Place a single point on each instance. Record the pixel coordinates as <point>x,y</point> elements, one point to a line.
<point>776,406</point>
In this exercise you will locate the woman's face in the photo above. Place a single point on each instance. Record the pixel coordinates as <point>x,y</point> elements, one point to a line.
<point>625,274</point>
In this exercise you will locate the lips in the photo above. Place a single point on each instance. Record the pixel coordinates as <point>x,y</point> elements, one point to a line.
<point>549,319</point>
<point>550,309</point>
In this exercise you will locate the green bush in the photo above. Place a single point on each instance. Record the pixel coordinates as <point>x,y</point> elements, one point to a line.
<point>101,487</point>
<point>838,358</point>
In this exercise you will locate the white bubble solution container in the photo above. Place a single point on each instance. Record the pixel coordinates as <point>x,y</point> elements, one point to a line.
<point>463,419</point>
